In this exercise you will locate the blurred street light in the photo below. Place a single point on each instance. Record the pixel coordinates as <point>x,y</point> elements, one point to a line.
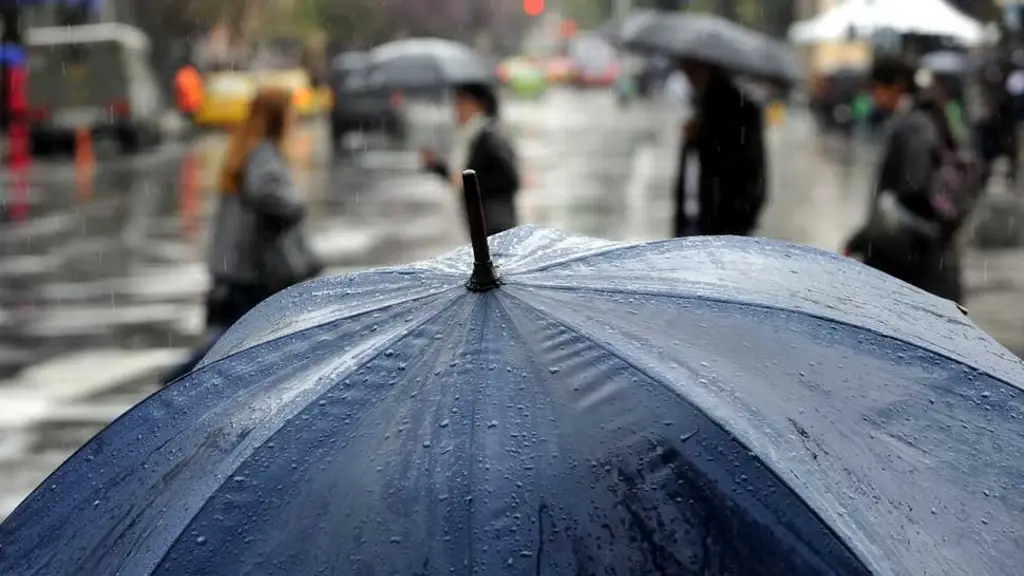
<point>533,7</point>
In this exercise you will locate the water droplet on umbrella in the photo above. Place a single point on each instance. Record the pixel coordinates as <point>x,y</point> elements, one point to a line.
<point>554,370</point>
<point>444,423</point>
<point>201,540</point>
<point>493,424</point>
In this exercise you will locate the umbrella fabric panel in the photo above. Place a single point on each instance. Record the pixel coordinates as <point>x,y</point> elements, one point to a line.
<point>779,275</point>
<point>716,41</point>
<point>409,72</point>
<point>426,62</point>
<point>323,301</point>
<point>915,459</point>
<point>466,458</point>
<point>491,439</point>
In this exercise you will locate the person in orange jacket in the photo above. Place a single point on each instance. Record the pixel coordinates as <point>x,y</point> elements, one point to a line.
<point>189,90</point>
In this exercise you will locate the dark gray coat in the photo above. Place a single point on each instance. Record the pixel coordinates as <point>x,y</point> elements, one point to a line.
<point>258,238</point>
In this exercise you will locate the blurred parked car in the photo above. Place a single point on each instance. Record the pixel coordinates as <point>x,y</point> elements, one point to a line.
<point>833,96</point>
<point>360,106</point>
<point>524,76</point>
<point>97,78</point>
<point>594,61</point>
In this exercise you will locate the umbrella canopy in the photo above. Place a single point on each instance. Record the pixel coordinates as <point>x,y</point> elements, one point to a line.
<point>428,62</point>
<point>716,41</point>
<point>618,29</point>
<point>723,406</point>
<point>863,18</point>
<point>947,62</point>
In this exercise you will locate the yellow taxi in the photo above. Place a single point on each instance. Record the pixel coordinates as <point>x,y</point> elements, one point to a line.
<point>228,95</point>
<point>307,100</point>
<point>227,98</point>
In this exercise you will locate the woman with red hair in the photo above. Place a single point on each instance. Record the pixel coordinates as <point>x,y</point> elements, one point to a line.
<point>259,246</point>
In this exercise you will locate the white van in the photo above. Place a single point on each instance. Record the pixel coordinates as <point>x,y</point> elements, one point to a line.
<point>95,77</point>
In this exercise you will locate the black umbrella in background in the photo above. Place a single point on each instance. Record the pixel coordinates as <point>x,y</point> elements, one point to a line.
<point>718,42</point>
<point>616,30</point>
<point>428,63</point>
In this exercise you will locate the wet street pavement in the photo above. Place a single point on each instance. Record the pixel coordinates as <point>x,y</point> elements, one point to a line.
<point>103,275</point>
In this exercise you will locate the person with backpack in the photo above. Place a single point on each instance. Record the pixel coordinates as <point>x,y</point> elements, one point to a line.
<point>926,186</point>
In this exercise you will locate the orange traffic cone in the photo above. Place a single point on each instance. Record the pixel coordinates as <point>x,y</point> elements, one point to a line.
<point>85,163</point>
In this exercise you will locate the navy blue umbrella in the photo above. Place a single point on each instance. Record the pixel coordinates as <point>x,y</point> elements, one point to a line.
<point>723,406</point>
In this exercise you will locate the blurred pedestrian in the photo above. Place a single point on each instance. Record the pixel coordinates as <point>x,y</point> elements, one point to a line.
<point>721,187</point>
<point>481,145</point>
<point>259,245</point>
<point>923,190</point>
<point>996,128</point>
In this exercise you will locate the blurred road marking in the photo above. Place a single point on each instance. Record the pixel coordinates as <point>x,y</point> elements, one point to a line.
<point>340,243</point>
<point>50,390</point>
<point>389,160</point>
<point>83,374</point>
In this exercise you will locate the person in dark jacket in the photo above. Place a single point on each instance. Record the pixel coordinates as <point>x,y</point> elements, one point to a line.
<point>905,237</point>
<point>480,145</point>
<point>721,187</point>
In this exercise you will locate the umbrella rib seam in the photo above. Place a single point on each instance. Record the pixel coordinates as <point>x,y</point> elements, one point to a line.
<point>578,257</point>
<point>941,353</point>
<point>623,357</point>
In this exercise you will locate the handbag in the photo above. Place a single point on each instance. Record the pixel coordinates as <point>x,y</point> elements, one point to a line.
<point>286,258</point>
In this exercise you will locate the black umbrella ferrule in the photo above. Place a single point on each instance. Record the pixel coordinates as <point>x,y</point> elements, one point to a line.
<point>485,276</point>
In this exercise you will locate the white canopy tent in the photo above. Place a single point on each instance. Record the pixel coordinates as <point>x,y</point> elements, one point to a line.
<point>863,18</point>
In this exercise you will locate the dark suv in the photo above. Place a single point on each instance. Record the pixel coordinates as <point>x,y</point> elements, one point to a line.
<point>360,107</point>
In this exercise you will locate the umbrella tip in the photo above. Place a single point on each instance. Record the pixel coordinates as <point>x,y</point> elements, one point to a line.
<point>485,276</point>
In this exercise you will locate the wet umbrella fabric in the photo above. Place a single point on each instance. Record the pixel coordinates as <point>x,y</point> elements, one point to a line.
<point>428,63</point>
<point>696,406</point>
<point>716,41</point>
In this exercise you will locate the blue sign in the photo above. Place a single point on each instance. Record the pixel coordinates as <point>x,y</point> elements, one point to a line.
<point>11,54</point>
